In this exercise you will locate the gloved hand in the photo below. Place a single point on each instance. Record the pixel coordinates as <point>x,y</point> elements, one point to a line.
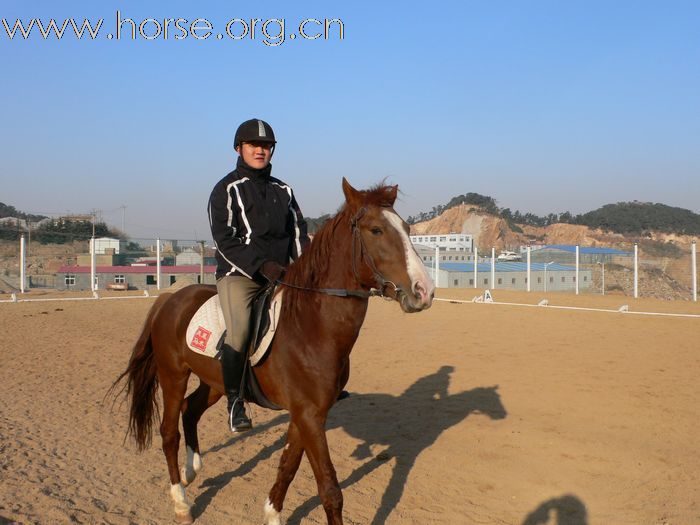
<point>272,271</point>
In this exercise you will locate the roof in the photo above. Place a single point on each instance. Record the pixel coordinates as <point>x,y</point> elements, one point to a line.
<point>189,268</point>
<point>591,250</point>
<point>511,266</point>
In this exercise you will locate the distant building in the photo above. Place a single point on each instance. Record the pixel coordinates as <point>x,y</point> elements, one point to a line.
<point>427,255</point>
<point>189,256</point>
<point>103,245</point>
<point>108,259</point>
<point>72,218</point>
<point>448,242</point>
<point>565,253</point>
<point>130,277</point>
<point>510,276</point>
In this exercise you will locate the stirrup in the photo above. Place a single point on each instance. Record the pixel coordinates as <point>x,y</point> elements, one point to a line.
<point>243,422</point>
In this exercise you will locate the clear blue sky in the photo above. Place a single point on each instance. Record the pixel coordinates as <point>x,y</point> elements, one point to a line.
<point>546,106</point>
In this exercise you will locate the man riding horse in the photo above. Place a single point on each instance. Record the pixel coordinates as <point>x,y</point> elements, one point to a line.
<point>258,229</point>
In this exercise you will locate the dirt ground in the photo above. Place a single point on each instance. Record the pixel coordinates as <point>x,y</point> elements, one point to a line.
<point>465,413</point>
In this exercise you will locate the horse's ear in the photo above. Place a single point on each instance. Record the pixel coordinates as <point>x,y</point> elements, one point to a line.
<point>352,196</point>
<point>392,193</point>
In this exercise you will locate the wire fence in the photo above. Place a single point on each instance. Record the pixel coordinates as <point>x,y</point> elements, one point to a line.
<point>647,269</point>
<point>117,265</point>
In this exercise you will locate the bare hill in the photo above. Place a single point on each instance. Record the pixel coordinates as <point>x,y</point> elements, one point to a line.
<point>492,231</point>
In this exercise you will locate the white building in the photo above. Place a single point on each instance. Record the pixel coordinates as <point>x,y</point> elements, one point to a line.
<point>188,257</point>
<point>104,245</point>
<point>448,242</point>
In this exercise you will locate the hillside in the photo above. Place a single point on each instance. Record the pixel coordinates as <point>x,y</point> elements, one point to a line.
<point>10,211</point>
<point>640,217</point>
<point>664,257</point>
<point>493,231</point>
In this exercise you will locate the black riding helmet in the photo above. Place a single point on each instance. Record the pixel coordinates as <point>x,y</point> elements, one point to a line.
<point>254,130</point>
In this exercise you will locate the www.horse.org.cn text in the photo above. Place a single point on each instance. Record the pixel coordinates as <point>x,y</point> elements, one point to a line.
<point>271,31</point>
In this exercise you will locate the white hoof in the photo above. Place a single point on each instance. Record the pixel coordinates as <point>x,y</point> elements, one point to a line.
<point>183,513</point>
<point>184,517</point>
<point>272,517</point>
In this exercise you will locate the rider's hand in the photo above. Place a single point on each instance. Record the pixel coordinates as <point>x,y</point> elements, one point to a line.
<point>272,271</point>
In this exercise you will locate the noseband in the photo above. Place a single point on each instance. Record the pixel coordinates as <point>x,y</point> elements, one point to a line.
<point>381,283</point>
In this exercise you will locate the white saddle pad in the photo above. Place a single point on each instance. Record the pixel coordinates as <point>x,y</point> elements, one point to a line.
<point>207,326</point>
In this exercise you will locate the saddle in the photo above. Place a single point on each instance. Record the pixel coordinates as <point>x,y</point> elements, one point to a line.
<point>262,329</point>
<point>207,331</point>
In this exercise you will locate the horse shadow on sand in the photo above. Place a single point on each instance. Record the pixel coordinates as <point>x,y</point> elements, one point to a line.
<point>564,510</point>
<point>402,427</point>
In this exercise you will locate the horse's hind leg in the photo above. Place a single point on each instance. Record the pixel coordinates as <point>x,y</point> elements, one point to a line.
<point>173,396</point>
<point>192,409</point>
<point>289,464</point>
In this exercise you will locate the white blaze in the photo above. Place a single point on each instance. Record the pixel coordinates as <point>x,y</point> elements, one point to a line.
<point>414,266</point>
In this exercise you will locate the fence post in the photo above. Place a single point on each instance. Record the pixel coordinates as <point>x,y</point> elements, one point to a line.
<point>694,265</point>
<point>636,270</point>
<point>493,269</point>
<point>92,264</point>
<point>577,264</point>
<point>476,262</point>
<point>22,264</point>
<point>158,263</point>
<point>528,267</point>
<point>201,264</point>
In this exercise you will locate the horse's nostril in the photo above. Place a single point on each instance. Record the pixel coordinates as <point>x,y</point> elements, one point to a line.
<point>418,288</point>
<point>421,293</point>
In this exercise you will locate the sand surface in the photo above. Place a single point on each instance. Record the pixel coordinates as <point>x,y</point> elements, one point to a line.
<point>466,413</point>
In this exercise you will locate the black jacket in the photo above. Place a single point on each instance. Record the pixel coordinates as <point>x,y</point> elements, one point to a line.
<point>254,218</point>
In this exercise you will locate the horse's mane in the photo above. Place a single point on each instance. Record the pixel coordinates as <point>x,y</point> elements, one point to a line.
<point>311,268</point>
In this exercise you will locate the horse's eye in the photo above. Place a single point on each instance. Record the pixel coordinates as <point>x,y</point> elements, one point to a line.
<point>376,231</point>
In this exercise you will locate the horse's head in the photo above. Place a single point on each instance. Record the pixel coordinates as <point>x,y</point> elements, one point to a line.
<point>383,256</point>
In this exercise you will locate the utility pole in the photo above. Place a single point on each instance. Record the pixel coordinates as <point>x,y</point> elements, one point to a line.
<point>201,264</point>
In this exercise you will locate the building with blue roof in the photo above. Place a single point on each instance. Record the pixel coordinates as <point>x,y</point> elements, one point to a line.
<point>549,276</point>
<point>565,253</point>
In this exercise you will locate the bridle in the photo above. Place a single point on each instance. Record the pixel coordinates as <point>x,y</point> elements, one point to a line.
<point>380,282</point>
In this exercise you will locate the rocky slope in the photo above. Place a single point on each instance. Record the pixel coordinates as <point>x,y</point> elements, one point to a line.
<point>664,271</point>
<point>492,231</point>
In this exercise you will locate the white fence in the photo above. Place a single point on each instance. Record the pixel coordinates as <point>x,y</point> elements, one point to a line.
<point>656,270</point>
<point>646,270</point>
<point>92,266</point>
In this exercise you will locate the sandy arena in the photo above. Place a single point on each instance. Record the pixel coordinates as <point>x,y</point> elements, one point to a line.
<point>464,414</point>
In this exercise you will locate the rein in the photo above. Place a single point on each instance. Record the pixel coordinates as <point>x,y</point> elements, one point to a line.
<point>336,292</point>
<point>343,292</point>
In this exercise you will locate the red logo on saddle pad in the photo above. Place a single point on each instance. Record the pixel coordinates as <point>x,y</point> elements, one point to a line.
<point>201,338</point>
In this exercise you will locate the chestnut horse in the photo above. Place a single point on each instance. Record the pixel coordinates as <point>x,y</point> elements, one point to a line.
<point>364,250</point>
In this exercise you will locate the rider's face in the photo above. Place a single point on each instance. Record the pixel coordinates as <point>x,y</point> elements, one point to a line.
<point>255,154</point>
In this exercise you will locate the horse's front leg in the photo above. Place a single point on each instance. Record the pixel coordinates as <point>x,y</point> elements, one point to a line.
<point>313,434</point>
<point>289,464</point>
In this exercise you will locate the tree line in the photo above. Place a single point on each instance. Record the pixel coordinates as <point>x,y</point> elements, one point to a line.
<point>58,233</point>
<point>9,211</point>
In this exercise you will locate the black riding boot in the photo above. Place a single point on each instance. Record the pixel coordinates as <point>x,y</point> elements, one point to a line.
<point>232,366</point>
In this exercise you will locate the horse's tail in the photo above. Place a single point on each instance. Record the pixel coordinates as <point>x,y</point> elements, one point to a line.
<point>142,383</point>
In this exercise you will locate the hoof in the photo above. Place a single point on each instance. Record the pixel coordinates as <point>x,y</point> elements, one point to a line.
<point>272,517</point>
<point>184,517</point>
<point>344,394</point>
<point>187,476</point>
